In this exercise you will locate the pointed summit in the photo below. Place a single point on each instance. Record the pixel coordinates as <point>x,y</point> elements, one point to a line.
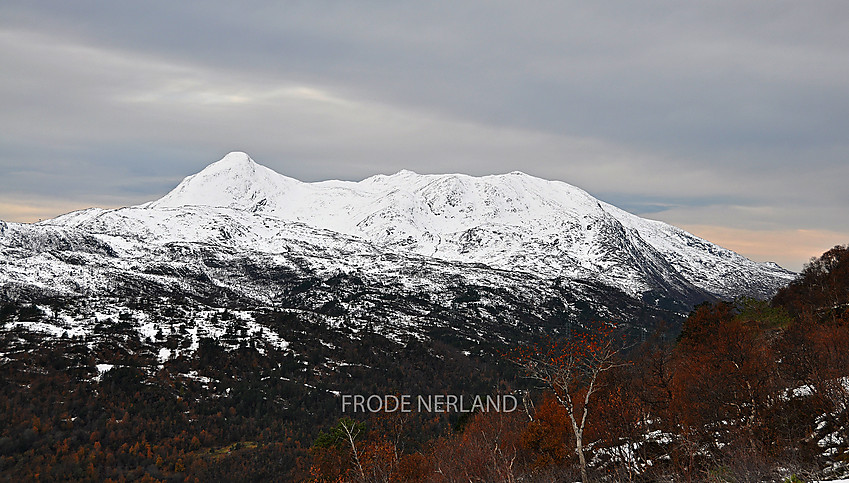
<point>234,181</point>
<point>235,163</point>
<point>235,158</point>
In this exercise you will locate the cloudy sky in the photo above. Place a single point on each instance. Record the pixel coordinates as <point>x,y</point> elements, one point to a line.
<point>727,118</point>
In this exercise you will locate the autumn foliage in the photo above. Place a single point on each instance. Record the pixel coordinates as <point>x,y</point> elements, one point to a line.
<point>745,393</point>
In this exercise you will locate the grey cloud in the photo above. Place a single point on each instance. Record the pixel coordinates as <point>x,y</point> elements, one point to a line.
<point>675,109</point>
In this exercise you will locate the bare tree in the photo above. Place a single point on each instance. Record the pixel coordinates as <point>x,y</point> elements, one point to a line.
<point>351,429</point>
<point>571,369</point>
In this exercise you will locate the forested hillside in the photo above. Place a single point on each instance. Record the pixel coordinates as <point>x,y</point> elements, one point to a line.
<point>748,391</point>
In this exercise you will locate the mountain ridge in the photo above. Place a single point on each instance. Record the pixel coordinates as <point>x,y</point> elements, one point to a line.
<point>481,219</point>
<point>509,222</point>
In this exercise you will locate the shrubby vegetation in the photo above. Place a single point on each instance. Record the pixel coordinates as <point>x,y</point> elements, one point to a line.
<point>750,391</point>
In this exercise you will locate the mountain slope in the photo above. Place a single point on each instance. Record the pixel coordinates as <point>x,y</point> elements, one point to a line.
<point>715,269</point>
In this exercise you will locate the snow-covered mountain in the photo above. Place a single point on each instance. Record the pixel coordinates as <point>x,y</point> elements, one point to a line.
<point>512,222</point>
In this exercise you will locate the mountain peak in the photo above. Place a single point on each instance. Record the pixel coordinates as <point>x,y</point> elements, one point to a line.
<point>406,172</point>
<point>236,160</point>
<point>234,181</point>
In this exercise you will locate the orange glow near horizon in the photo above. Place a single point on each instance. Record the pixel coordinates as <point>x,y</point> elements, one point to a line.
<point>25,212</point>
<point>789,248</point>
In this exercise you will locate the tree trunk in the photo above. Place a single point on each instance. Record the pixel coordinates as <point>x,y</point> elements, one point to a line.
<point>579,439</point>
<point>579,448</point>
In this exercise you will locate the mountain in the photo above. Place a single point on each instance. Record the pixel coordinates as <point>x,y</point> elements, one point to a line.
<point>510,223</point>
